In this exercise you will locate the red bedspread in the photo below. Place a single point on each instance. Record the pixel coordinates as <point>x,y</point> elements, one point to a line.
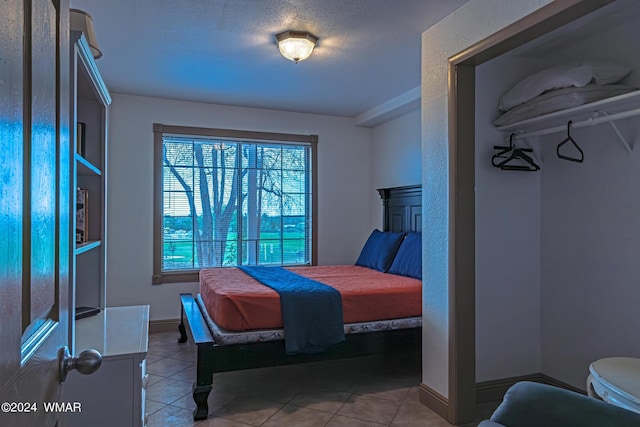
<point>237,302</point>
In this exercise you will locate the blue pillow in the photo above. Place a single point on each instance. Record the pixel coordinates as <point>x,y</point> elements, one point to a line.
<point>379,250</point>
<point>408,260</point>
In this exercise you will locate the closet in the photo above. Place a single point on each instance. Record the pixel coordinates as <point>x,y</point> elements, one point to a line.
<point>557,248</point>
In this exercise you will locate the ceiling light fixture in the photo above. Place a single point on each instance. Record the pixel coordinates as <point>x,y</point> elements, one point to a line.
<point>296,45</point>
<point>79,20</point>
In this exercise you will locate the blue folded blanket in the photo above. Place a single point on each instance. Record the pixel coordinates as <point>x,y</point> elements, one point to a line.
<point>311,311</point>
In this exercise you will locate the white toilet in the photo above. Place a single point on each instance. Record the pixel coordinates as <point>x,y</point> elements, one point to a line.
<point>616,380</point>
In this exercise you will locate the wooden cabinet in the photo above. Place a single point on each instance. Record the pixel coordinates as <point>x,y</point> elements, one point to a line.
<point>90,101</point>
<point>114,394</point>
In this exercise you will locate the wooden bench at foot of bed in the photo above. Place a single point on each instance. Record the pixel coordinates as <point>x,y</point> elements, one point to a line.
<point>212,357</point>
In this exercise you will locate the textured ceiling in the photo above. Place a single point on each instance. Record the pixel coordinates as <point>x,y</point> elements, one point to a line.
<point>223,51</point>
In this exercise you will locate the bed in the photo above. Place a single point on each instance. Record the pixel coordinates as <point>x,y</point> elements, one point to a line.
<point>248,332</point>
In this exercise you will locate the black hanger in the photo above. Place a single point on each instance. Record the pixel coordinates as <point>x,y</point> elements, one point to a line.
<point>569,139</point>
<point>503,150</point>
<point>517,154</point>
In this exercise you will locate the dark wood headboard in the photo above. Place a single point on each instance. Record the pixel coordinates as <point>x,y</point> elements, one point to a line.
<point>402,208</point>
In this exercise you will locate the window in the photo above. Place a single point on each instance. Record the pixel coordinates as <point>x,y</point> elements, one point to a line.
<point>226,198</point>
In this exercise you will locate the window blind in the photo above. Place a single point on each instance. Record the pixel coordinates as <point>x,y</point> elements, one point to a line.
<point>228,202</point>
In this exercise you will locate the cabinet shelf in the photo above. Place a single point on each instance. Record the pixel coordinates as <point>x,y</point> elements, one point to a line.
<point>86,246</point>
<point>115,394</point>
<point>85,167</point>
<point>89,105</point>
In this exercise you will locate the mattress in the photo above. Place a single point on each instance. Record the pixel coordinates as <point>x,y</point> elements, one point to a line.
<point>235,302</point>
<point>560,99</point>
<point>223,336</point>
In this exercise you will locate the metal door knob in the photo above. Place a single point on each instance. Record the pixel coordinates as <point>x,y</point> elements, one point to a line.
<point>85,363</point>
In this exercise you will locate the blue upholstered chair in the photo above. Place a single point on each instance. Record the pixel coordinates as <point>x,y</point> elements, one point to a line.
<point>528,404</point>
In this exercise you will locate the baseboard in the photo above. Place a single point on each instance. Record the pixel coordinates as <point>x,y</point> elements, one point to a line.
<point>167,325</point>
<point>546,379</point>
<point>494,390</point>
<point>434,401</point>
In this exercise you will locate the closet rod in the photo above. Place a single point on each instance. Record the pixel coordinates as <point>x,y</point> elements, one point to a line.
<point>587,122</point>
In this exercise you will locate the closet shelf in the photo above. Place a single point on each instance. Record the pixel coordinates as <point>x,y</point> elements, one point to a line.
<point>603,111</point>
<point>86,246</point>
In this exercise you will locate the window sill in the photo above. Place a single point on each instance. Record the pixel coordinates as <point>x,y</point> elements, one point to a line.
<point>176,277</point>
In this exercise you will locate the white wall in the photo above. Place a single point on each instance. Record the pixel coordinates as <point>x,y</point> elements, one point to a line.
<point>591,229</point>
<point>395,157</point>
<point>344,188</point>
<point>508,319</point>
<point>471,23</point>
<point>590,251</point>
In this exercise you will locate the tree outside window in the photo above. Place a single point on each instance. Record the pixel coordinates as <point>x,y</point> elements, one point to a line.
<point>228,202</point>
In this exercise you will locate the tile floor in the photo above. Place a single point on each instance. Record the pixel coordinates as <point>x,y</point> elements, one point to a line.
<point>368,391</point>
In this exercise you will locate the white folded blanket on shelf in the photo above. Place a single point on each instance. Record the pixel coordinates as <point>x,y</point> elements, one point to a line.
<point>577,74</point>
<point>560,99</point>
